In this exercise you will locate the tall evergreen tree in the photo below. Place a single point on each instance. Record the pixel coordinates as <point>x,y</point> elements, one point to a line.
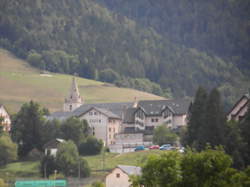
<point>214,128</point>
<point>245,134</point>
<point>235,146</point>
<point>196,118</point>
<point>27,126</point>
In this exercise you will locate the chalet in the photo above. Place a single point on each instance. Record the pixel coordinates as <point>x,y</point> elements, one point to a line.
<point>51,147</point>
<point>240,108</point>
<point>119,176</point>
<point>6,123</point>
<point>149,114</point>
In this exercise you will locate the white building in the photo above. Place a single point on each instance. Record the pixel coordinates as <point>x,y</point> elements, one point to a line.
<point>152,113</point>
<point>103,123</point>
<point>119,176</point>
<point>6,123</point>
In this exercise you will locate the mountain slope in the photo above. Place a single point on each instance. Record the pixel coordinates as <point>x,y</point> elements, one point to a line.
<point>21,83</point>
<point>219,27</point>
<point>84,37</point>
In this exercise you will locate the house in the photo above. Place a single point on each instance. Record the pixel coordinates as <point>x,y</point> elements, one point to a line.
<point>103,123</point>
<point>240,108</point>
<point>6,123</point>
<point>51,147</point>
<point>119,176</point>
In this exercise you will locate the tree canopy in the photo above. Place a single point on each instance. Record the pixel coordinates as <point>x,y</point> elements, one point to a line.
<point>27,128</point>
<point>209,168</point>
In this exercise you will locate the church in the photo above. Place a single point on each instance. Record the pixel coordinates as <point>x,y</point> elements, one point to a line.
<point>113,122</point>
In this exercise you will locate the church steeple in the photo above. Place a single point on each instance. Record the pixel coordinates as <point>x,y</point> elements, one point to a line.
<point>74,99</point>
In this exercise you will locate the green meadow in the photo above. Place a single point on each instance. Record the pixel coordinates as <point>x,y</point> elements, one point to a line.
<point>100,165</point>
<point>21,83</point>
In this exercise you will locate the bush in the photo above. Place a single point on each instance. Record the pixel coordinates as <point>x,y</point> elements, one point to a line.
<point>92,146</point>
<point>8,149</point>
<point>109,75</point>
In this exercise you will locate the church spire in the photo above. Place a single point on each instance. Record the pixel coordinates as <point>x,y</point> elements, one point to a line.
<point>74,99</point>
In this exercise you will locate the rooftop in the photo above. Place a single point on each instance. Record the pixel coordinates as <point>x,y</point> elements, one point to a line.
<point>155,107</point>
<point>130,170</point>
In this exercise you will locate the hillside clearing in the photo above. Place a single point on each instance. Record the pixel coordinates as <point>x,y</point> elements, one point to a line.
<point>21,83</point>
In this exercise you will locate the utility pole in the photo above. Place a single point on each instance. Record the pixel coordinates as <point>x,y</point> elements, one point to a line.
<point>79,170</point>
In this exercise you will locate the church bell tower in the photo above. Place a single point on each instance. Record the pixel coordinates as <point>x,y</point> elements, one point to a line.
<point>74,99</point>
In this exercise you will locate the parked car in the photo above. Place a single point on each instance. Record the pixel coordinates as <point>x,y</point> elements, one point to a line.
<point>154,147</point>
<point>166,147</point>
<point>140,148</point>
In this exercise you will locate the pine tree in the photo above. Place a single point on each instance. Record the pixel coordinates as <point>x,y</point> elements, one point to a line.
<point>196,118</point>
<point>214,127</point>
<point>245,134</point>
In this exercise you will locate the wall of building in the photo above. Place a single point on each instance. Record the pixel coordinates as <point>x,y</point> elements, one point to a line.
<point>68,107</point>
<point>179,120</point>
<point>51,152</point>
<point>98,122</point>
<point>117,178</point>
<point>114,127</point>
<point>6,122</point>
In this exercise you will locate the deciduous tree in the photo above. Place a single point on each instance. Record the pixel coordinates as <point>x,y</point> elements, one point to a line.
<point>163,135</point>
<point>8,149</point>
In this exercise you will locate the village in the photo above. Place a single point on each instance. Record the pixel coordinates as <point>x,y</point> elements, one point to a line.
<point>124,127</point>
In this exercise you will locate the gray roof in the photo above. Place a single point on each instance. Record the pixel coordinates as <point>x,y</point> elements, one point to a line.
<point>129,115</point>
<point>104,111</point>
<point>155,107</point>
<point>115,108</point>
<point>150,107</point>
<point>130,170</point>
<point>59,116</point>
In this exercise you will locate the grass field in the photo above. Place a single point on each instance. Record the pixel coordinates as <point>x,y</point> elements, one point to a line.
<point>21,83</point>
<point>20,170</point>
<point>97,163</point>
<point>111,160</point>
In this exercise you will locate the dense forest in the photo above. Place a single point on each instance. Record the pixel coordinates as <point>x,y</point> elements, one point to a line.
<point>160,46</point>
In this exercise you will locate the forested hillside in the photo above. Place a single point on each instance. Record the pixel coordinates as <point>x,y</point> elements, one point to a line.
<point>218,27</point>
<point>130,42</point>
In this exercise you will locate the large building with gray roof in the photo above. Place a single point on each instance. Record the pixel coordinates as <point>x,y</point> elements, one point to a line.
<point>107,120</point>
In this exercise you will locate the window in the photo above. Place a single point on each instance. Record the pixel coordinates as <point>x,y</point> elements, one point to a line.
<point>70,107</point>
<point>156,120</point>
<point>152,120</point>
<point>117,175</point>
<point>100,121</point>
<point>95,113</point>
<point>90,113</point>
<point>109,129</point>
